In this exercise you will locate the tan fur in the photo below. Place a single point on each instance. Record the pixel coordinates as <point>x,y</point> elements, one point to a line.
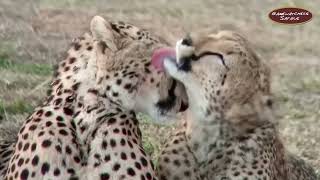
<point>230,130</point>
<point>99,28</point>
<point>87,127</point>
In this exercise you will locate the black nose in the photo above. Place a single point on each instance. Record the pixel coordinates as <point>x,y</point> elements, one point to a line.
<point>184,64</point>
<point>187,41</point>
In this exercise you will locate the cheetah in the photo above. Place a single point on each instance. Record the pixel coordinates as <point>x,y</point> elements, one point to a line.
<point>229,131</point>
<point>87,127</point>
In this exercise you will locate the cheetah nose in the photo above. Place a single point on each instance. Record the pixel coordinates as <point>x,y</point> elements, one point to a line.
<point>159,55</point>
<point>187,41</point>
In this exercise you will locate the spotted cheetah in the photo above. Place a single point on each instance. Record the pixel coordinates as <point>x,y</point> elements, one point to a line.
<point>87,127</point>
<point>229,131</point>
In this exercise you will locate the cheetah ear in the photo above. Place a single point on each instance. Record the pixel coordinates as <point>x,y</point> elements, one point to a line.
<point>101,30</point>
<point>104,59</point>
<point>104,45</point>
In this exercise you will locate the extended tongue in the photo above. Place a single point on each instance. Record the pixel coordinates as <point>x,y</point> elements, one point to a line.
<point>159,55</point>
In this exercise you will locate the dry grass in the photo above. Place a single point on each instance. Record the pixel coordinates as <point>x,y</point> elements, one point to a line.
<point>34,35</point>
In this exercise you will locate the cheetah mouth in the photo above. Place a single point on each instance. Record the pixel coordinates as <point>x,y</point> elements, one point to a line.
<point>170,54</point>
<point>172,101</point>
<point>184,106</point>
<point>159,55</point>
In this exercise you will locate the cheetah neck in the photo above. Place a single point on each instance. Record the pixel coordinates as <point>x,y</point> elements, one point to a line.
<point>91,113</point>
<point>75,87</point>
<point>216,134</point>
<point>75,76</point>
<point>201,134</point>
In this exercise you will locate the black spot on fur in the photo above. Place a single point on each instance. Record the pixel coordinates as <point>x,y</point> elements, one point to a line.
<point>77,46</point>
<point>115,28</point>
<point>103,46</point>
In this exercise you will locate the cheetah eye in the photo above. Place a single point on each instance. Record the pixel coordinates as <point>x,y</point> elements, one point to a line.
<point>209,53</point>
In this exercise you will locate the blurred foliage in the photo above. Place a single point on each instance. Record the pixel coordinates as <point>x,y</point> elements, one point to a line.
<point>16,107</point>
<point>35,69</point>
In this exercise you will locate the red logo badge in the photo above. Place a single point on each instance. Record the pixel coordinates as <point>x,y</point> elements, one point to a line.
<point>290,15</point>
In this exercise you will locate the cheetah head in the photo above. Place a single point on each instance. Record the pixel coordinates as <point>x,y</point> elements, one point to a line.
<point>218,71</point>
<point>125,74</point>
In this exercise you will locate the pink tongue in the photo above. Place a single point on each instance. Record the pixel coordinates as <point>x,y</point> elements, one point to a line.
<point>159,55</point>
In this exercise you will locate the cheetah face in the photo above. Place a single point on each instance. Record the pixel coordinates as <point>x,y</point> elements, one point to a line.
<point>125,73</point>
<point>217,70</point>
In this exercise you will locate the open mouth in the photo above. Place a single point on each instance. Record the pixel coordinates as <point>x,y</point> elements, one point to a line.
<point>170,102</point>
<point>184,106</point>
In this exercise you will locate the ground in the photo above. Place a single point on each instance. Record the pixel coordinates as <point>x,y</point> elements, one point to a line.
<point>34,34</point>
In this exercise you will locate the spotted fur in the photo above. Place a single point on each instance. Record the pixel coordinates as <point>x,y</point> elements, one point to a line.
<point>229,131</point>
<point>87,127</point>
